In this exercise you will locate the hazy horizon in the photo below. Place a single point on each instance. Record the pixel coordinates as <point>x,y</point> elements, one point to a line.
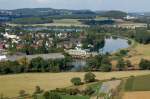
<point>123,5</point>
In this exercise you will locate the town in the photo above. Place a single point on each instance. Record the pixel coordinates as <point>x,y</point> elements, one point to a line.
<point>50,53</point>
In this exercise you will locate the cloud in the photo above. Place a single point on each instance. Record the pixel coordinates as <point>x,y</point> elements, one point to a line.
<point>41,1</point>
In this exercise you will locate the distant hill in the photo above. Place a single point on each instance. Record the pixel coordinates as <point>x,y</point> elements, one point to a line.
<point>9,15</point>
<point>114,14</point>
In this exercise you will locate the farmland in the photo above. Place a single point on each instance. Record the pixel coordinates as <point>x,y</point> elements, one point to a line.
<point>57,22</point>
<point>137,95</point>
<point>137,87</point>
<point>138,83</point>
<point>10,85</point>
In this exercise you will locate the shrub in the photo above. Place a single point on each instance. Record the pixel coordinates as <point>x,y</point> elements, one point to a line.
<point>144,64</point>
<point>76,81</point>
<point>89,77</point>
<point>106,67</point>
<point>121,64</point>
<point>89,91</point>
<point>113,78</point>
<point>128,63</point>
<point>53,95</point>
<point>46,95</point>
<point>129,42</point>
<point>38,90</point>
<point>124,52</point>
<point>74,91</point>
<point>22,93</point>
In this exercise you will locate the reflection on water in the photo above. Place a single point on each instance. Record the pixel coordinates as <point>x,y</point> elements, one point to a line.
<point>112,45</point>
<point>78,64</point>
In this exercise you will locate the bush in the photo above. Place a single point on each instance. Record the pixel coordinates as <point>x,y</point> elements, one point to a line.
<point>113,78</point>
<point>124,52</point>
<point>53,95</point>
<point>128,63</point>
<point>74,91</point>
<point>89,91</point>
<point>89,77</point>
<point>46,95</point>
<point>66,91</point>
<point>121,64</point>
<point>76,81</point>
<point>144,64</point>
<point>22,93</point>
<point>106,67</point>
<point>129,42</point>
<point>38,90</point>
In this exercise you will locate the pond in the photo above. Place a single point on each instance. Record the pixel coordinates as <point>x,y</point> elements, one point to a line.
<point>114,44</point>
<point>78,64</point>
<point>111,45</point>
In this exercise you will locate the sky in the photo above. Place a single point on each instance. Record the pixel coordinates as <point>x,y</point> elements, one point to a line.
<point>125,5</point>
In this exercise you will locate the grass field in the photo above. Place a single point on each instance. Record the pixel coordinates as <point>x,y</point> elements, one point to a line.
<point>67,21</point>
<point>10,85</point>
<point>140,83</point>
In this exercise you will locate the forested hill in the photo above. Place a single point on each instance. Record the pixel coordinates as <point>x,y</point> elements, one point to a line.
<point>7,15</point>
<point>114,14</point>
<point>36,12</point>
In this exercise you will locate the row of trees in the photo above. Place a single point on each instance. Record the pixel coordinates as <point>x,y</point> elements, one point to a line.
<point>32,20</point>
<point>103,63</point>
<point>35,65</point>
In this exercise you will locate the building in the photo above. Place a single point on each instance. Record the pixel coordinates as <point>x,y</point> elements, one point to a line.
<point>3,57</point>
<point>2,46</point>
<point>77,53</point>
<point>8,36</point>
<point>128,17</point>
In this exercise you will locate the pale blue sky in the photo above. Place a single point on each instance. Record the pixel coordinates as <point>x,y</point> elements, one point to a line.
<point>126,5</point>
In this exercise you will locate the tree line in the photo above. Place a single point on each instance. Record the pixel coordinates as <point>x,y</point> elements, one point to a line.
<point>35,65</point>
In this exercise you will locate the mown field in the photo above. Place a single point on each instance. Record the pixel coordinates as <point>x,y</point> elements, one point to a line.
<point>137,87</point>
<point>10,85</point>
<point>137,95</point>
<point>67,21</point>
<point>140,83</point>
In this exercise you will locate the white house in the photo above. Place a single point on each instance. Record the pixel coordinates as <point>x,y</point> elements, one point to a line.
<point>128,17</point>
<point>3,57</point>
<point>10,36</point>
<point>77,52</point>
